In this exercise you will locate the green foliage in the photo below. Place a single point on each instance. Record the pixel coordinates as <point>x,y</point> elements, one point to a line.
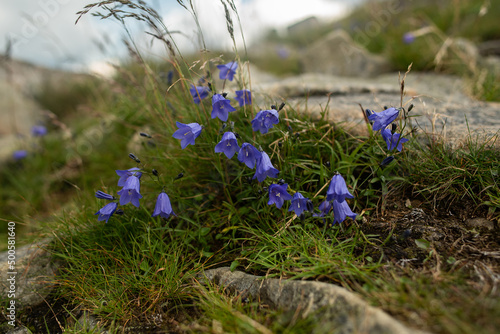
<point>134,266</point>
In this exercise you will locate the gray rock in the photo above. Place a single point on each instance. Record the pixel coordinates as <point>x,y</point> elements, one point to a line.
<point>338,54</point>
<point>35,271</point>
<point>332,306</point>
<point>480,223</point>
<point>441,103</point>
<point>19,330</point>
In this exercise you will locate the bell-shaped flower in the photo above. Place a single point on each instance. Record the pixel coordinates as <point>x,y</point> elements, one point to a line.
<point>382,119</point>
<point>393,140</point>
<point>107,211</point>
<point>102,195</point>
<point>249,155</point>
<point>408,38</point>
<point>221,107</point>
<point>38,130</point>
<point>265,120</point>
<point>325,207</point>
<point>187,133</point>
<point>163,207</point>
<point>124,174</point>
<point>341,210</point>
<point>199,93</point>
<point>131,191</point>
<point>19,155</point>
<point>264,168</point>
<point>228,145</point>
<point>228,70</point>
<point>338,189</point>
<point>278,195</point>
<point>299,204</point>
<point>244,97</point>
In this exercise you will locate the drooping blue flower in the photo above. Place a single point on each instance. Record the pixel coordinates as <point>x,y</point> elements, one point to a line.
<point>102,195</point>
<point>199,93</point>
<point>325,207</point>
<point>384,118</point>
<point>228,70</point>
<point>278,194</point>
<point>341,210</point>
<point>393,139</point>
<point>38,130</point>
<point>249,155</point>
<point>106,212</point>
<point>124,174</point>
<point>244,97</point>
<point>299,204</point>
<point>228,145</point>
<point>221,107</point>
<point>187,133</point>
<point>265,120</point>
<point>338,189</point>
<point>408,38</point>
<point>131,191</point>
<point>265,168</point>
<point>163,207</point>
<point>19,155</point>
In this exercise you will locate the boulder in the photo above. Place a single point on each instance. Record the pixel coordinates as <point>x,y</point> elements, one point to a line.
<point>338,54</point>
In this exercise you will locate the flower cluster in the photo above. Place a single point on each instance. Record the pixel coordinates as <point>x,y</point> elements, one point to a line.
<point>381,121</point>
<point>130,193</point>
<point>247,154</point>
<point>36,131</point>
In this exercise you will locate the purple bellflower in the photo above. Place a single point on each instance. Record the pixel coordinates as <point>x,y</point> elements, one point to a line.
<point>107,211</point>
<point>249,155</point>
<point>19,155</point>
<point>341,210</point>
<point>38,130</point>
<point>228,70</point>
<point>221,107</point>
<point>244,97</point>
<point>131,191</point>
<point>124,174</point>
<point>102,195</point>
<point>187,133</point>
<point>338,189</point>
<point>163,207</point>
<point>393,140</point>
<point>325,207</point>
<point>264,120</point>
<point>408,38</point>
<point>228,145</point>
<point>264,168</point>
<point>384,118</point>
<point>299,204</point>
<point>278,195</point>
<point>199,93</point>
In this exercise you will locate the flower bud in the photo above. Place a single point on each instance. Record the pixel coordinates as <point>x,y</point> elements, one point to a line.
<point>133,157</point>
<point>387,161</point>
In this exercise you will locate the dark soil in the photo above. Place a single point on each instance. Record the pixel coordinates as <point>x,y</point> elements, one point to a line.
<point>460,235</point>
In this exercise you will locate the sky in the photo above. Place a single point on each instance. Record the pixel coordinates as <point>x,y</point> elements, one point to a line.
<point>44,32</point>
